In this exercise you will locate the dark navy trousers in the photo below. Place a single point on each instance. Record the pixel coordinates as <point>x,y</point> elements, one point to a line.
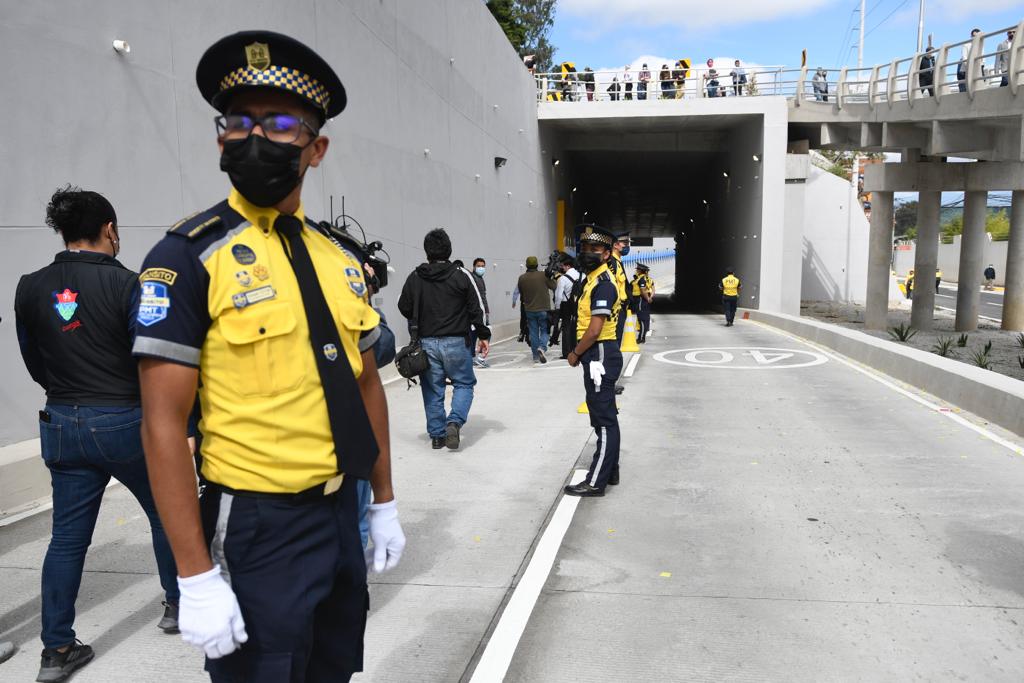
<point>604,416</point>
<point>729,304</point>
<point>298,571</point>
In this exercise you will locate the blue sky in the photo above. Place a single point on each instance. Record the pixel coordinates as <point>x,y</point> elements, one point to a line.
<point>607,33</point>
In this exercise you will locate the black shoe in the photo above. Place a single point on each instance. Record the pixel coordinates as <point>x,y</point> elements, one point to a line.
<point>57,666</point>
<point>543,358</point>
<point>169,622</point>
<point>584,490</point>
<point>613,479</point>
<point>451,436</point>
<point>437,442</point>
<point>619,389</point>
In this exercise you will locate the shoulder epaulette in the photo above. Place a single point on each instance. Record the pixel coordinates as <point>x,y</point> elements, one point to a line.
<point>198,223</point>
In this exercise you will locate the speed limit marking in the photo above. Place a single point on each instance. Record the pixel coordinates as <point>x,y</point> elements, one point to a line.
<point>742,358</point>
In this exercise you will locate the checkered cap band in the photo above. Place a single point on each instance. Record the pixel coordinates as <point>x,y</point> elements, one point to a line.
<point>591,236</point>
<point>279,77</point>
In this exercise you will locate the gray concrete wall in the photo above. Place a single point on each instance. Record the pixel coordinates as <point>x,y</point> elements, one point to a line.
<point>429,74</point>
<point>949,260</point>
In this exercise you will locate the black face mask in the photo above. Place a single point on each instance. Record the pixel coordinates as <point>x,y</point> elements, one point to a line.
<point>264,172</point>
<point>589,261</point>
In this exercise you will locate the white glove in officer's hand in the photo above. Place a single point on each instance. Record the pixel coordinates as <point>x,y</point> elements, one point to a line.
<point>596,373</point>
<point>386,534</point>
<point>208,614</point>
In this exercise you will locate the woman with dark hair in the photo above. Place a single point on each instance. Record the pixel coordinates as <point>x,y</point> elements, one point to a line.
<point>665,76</point>
<point>76,323</point>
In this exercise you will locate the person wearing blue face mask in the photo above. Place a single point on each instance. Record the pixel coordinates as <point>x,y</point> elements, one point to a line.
<point>479,268</point>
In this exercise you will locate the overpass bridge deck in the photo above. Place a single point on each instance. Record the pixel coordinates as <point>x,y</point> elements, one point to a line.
<point>781,516</point>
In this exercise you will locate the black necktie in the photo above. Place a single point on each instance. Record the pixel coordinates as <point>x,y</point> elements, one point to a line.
<point>354,443</point>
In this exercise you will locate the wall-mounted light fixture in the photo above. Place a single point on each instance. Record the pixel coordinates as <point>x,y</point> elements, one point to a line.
<point>555,162</point>
<point>499,162</point>
<point>426,151</point>
<point>574,189</point>
<point>724,174</point>
<point>756,158</point>
<point>122,47</point>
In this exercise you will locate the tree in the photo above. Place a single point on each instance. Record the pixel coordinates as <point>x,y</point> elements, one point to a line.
<point>997,224</point>
<point>906,218</point>
<point>526,24</point>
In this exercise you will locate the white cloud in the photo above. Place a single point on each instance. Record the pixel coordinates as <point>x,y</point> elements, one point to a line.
<point>683,13</point>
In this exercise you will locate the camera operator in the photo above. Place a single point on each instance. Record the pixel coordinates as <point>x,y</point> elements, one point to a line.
<point>564,300</point>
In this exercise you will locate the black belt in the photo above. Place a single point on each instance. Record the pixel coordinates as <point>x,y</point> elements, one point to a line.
<point>310,495</point>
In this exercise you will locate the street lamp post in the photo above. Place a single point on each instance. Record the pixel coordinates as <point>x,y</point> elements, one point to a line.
<point>920,26</point>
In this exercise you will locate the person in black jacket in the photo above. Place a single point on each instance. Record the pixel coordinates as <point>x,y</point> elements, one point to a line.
<point>447,303</point>
<point>75,320</point>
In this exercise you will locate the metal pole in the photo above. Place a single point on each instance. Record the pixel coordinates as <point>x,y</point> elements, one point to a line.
<point>920,27</point>
<point>860,46</point>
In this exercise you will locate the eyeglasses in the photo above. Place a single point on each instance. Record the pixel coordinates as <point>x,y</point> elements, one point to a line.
<point>283,128</point>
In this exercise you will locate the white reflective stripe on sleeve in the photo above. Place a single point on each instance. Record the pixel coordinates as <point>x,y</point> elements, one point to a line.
<point>219,534</point>
<point>168,350</point>
<point>369,339</point>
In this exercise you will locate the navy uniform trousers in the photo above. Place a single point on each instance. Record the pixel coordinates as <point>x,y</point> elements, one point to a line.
<point>643,318</point>
<point>604,416</point>
<point>620,323</point>
<point>298,571</point>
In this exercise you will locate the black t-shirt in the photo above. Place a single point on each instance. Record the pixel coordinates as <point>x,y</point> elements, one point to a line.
<point>76,323</point>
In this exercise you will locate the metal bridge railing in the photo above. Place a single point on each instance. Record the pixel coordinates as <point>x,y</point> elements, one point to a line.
<point>967,66</point>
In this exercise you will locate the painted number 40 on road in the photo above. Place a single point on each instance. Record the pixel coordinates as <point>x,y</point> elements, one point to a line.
<point>742,358</point>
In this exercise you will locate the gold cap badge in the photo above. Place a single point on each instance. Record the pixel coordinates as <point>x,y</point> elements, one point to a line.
<point>258,55</point>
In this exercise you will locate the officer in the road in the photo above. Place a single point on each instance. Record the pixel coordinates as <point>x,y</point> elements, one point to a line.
<point>250,301</point>
<point>597,350</point>
<point>640,297</point>
<point>730,286</point>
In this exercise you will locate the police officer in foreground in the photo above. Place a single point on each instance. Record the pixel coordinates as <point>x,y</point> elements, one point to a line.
<point>250,301</point>
<point>730,287</point>
<point>597,350</point>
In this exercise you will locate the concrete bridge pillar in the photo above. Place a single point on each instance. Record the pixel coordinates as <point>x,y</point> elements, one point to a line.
<point>879,258</point>
<point>1013,299</point>
<point>972,254</point>
<point>926,259</point>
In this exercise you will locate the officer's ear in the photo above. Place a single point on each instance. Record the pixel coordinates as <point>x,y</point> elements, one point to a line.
<point>317,149</point>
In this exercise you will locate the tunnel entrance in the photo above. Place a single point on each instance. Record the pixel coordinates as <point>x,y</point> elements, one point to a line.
<point>693,179</point>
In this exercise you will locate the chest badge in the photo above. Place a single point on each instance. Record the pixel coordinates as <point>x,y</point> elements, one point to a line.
<point>260,271</point>
<point>330,352</point>
<point>355,281</point>
<point>66,304</point>
<point>243,278</point>
<point>243,254</point>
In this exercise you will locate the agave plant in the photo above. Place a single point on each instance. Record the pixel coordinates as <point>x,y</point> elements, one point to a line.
<point>981,359</point>
<point>944,347</point>
<point>902,332</point>
<point>961,341</point>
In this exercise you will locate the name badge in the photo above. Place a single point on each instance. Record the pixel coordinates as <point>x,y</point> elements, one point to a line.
<point>253,296</point>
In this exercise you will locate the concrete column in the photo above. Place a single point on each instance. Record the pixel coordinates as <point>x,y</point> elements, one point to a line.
<point>972,255</point>
<point>879,257</point>
<point>1013,299</point>
<point>925,259</point>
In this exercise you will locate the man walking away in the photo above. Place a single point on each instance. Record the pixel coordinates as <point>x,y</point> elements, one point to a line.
<point>479,268</point>
<point>990,277</point>
<point>533,288</point>
<point>441,301</point>
<point>564,301</point>
<point>730,287</point>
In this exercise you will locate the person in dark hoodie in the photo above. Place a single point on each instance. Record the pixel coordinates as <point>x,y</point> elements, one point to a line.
<point>448,304</point>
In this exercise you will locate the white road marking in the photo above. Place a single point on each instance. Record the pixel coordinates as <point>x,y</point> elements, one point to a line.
<point>710,357</point>
<point>501,646</point>
<point>631,366</point>
<point>991,436</point>
<point>983,317</point>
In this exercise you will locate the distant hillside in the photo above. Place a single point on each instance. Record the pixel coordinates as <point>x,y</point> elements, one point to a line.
<point>948,214</point>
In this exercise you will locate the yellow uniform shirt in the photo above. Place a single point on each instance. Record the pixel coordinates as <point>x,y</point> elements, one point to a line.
<point>730,285</point>
<point>218,293</point>
<point>620,276</point>
<point>641,282</point>
<point>598,298</point>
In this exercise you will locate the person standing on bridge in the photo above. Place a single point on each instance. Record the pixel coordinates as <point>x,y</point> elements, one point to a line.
<point>965,61</point>
<point>730,286</point>
<point>252,304</point>
<point>627,81</point>
<point>739,78</point>
<point>665,76</point>
<point>75,321</point>
<point>820,85</point>
<point>597,351</point>
<point>926,73</point>
<point>643,78</point>
<point>1003,59</point>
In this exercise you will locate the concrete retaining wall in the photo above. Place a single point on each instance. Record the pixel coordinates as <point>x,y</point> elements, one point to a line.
<point>949,260</point>
<point>989,395</point>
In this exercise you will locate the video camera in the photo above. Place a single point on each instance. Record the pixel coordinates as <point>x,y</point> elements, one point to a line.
<point>555,259</point>
<point>370,254</point>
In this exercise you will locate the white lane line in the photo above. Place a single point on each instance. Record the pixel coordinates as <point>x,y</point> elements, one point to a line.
<point>501,647</point>
<point>631,366</point>
<point>991,436</point>
<point>983,317</point>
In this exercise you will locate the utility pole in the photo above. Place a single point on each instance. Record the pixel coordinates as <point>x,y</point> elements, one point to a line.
<point>860,46</point>
<point>920,27</point>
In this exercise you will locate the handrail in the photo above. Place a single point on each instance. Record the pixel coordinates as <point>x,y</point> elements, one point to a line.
<point>979,66</point>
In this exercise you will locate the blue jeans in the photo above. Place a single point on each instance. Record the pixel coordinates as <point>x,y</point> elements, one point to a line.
<point>538,322</point>
<point>84,447</point>
<point>449,358</point>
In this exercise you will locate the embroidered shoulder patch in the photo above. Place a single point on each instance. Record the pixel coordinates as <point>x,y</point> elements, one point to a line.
<point>158,275</point>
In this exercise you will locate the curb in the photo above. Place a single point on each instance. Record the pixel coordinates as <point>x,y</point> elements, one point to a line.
<point>989,395</point>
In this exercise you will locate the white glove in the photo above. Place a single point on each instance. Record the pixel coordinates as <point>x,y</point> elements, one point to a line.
<point>208,614</point>
<point>596,373</point>
<point>386,534</point>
